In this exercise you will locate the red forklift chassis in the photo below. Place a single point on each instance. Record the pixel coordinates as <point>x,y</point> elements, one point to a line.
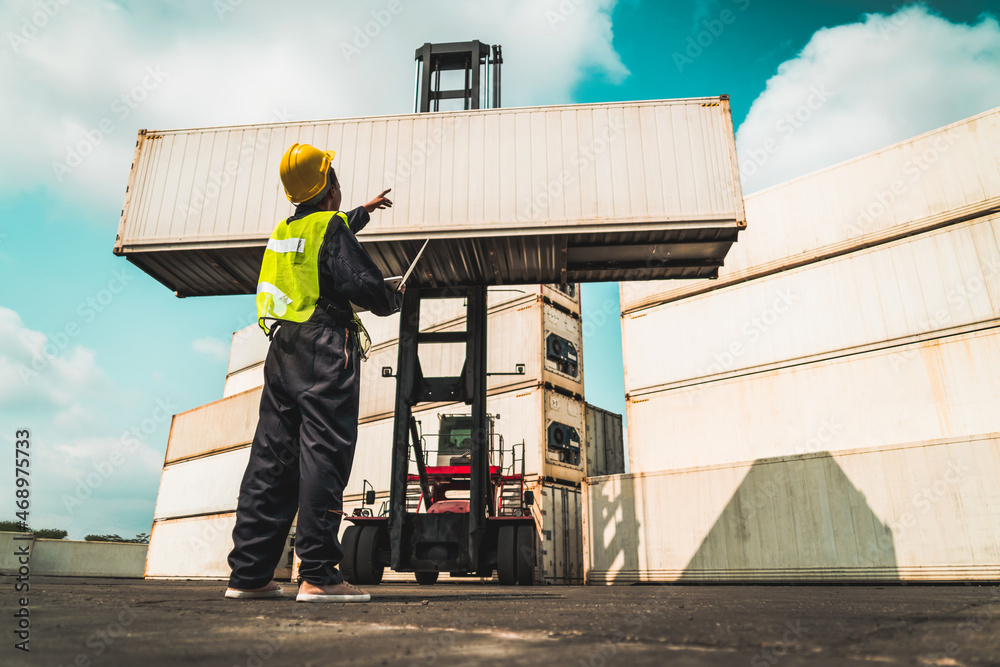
<point>465,537</point>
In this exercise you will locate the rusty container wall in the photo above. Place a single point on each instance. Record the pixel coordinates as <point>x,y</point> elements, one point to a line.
<point>604,442</point>
<point>561,194</point>
<point>218,426</point>
<point>925,512</point>
<point>940,177</point>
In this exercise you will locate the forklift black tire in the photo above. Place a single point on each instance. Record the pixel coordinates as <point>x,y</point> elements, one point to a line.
<point>366,570</point>
<point>525,556</point>
<point>350,546</point>
<point>506,554</point>
<point>426,578</point>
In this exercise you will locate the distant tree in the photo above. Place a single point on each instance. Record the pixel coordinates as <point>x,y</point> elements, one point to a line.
<point>47,533</point>
<point>141,538</point>
<point>51,533</point>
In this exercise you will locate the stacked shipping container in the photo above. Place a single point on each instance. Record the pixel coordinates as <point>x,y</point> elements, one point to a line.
<point>209,446</point>
<point>833,395</point>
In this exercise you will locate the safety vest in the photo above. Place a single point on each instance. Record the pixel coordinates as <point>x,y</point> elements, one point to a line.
<point>288,288</point>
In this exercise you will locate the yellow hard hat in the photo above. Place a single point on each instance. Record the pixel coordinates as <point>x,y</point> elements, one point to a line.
<point>304,171</point>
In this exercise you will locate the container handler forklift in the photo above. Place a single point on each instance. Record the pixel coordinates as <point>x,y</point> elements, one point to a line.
<point>474,535</point>
<point>445,488</point>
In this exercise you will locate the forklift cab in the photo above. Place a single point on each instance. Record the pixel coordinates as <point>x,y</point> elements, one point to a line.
<point>455,439</point>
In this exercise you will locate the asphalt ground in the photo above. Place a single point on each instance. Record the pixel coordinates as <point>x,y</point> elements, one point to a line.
<point>151,623</point>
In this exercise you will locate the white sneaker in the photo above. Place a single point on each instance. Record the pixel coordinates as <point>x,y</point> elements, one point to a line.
<point>272,590</point>
<point>344,592</point>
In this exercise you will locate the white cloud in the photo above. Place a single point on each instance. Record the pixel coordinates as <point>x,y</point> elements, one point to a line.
<point>213,348</point>
<point>94,73</point>
<point>90,445</point>
<point>860,87</point>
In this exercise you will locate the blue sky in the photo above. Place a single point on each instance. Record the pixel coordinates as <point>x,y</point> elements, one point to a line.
<point>95,356</point>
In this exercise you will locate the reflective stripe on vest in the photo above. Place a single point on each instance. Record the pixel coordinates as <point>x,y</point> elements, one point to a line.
<point>288,287</point>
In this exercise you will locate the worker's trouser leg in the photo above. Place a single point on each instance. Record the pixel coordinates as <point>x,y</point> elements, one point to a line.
<point>301,456</point>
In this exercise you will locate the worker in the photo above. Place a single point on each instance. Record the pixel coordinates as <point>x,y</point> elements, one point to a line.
<point>313,270</point>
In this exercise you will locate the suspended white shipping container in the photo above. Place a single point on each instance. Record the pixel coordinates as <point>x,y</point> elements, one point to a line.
<point>507,196</point>
<point>877,297</point>
<point>944,388</point>
<point>924,512</point>
<point>947,175</point>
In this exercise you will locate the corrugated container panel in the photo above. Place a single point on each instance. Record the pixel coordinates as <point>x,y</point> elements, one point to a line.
<point>559,546</point>
<point>877,297</point>
<point>244,380</point>
<point>224,424</point>
<point>943,176</point>
<point>206,485</point>
<point>517,335</point>
<point>198,548</point>
<point>675,192</point>
<point>937,389</point>
<point>922,512</point>
<point>604,442</point>
<point>525,417</point>
<point>249,346</point>
<point>193,548</point>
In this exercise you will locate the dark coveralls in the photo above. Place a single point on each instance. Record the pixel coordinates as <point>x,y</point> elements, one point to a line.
<point>303,448</point>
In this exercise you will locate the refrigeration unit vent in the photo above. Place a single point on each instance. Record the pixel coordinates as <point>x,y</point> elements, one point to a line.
<point>564,441</point>
<point>563,353</point>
